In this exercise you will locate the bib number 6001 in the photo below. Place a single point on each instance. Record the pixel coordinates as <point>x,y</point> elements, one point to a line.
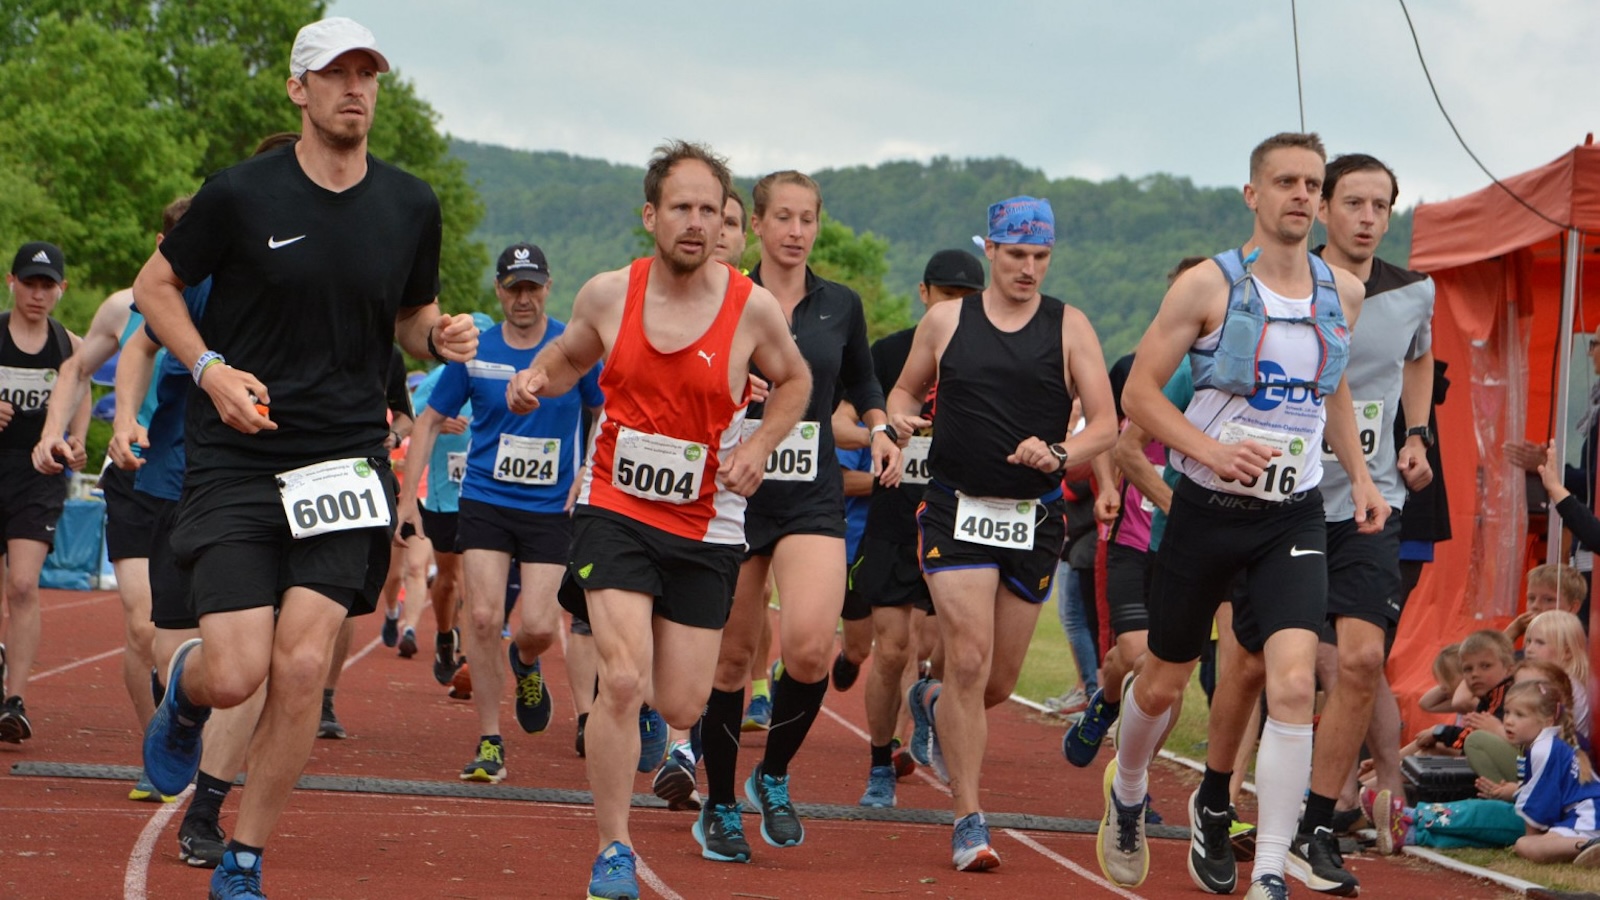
<point>328,509</point>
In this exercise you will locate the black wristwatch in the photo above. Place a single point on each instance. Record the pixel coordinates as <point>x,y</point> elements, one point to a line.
<point>887,429</point>
<point>1059,451</point>
<point>1421,431</point>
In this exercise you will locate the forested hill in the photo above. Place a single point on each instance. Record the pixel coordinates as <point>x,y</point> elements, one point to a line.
<point>1116,239</point>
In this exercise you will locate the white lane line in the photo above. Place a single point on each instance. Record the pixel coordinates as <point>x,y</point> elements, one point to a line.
<point>922,771</point>
<point>1067,864</point>
<point>655,882</point>
<point>40,676</point>
<point>138,870</point>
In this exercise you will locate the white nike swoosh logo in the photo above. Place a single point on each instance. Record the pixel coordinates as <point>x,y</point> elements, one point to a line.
<point>273,244</point>
<point>828,316</point>
<point>1296,551</point>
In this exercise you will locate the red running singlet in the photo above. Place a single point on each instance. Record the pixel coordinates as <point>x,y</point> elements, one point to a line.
<point>668,422</point>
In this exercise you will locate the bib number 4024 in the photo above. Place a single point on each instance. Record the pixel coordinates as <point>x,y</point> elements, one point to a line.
<point>662,482</point>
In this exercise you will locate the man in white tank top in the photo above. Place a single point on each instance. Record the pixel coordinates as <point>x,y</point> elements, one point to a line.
<point>1247,507</point>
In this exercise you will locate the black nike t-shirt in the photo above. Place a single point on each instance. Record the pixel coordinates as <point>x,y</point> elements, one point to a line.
<point>306,285</point>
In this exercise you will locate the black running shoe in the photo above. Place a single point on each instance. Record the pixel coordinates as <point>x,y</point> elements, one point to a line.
<point>1316,861</point>
<point>845,672</point>
<point>14,725</point>
<point>445,658</point>
<point>329,726</point>
<point>408,643</point>
<point>201,842</point>
<point>720,833</point>
<point>780,825</point>
<point>1211,862</point>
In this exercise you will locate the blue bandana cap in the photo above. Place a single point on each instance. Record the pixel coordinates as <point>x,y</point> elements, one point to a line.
<point>1022,220</point>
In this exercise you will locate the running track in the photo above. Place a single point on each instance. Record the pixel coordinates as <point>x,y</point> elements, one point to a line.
<point>81,837</point>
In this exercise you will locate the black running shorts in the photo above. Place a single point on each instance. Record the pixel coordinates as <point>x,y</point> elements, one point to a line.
<point>692,581</point>
<point>130,516</point>
<point>1026,573</point>
<point>528,537</point>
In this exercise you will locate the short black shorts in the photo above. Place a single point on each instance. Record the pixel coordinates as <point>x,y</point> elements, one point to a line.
<point>1364,573</point>
<point>171,607</point>
<point>1279,547</point>
<point>233,535</point>
<point>441,529</point>
<point>130,516</point>
<point>886,573</point>
<point>762,532</point>
<point>692,581</point>
<point>1026,573</point>
<point>1127,588</point>
<point>30,503</point>
<point>855,606</point>
<point>527,536</point>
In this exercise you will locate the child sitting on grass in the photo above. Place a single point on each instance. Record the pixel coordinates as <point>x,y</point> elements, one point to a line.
<point>1557,636</point>
<point>1486,660</point>
<point>1558,793</point>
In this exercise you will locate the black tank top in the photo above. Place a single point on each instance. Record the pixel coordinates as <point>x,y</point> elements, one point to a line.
<point>995,389</point>
<point>30,400</point>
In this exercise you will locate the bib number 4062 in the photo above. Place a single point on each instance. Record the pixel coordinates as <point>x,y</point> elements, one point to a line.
<point>662,482</point>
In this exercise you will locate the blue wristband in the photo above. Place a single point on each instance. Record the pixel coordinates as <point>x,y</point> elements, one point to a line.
<point>207,359</point>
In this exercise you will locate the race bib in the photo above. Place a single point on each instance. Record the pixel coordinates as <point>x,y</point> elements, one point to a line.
<point>914,460</point>
<point>1278,480</point>
<point>337,495</point>
<point>1369,418</point>
<point>995,522</point>
<point>528,460</point>
<point>455,467</point>
<point>657,467</point>
<point>795,457</point>
<point>27,390</point>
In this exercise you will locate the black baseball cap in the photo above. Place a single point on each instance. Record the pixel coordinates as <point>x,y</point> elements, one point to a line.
<point>521,262</point>
<point>954,268</point>
<point>40,258</point>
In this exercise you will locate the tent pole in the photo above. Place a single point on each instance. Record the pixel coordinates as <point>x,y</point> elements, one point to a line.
<point>1569,290</point>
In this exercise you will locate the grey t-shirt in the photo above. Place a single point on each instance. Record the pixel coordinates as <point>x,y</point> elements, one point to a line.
<point>1396,326</point>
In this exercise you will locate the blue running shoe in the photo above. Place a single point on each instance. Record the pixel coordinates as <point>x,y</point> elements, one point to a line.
<point>533,701</point>
<point>238,877</point>
<point>780,825</point>
<point>880,788</point>
<point>613,875</point>
<point>675,780</point>
<point>758,717</point>
<point>921,720</point>
<point>172,739</point>
<point>719,829</point>
<point>653,738</point>
<point>969,845</point>
<point>391,629</point>
<point>144,790</point>
<point>1082,741</point>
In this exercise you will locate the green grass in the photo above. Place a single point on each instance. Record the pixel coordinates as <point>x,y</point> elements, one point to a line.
<point>1050,671</point>
<point>1556,876</point>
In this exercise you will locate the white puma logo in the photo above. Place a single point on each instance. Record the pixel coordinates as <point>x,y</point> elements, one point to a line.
<point>706,356</point>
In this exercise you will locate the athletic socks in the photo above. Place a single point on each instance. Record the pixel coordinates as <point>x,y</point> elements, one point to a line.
<point>1319,812</point>
<point>209,792</point>
<point>882,756</point>
<point>760,688</point>
<point>1138,736</point>
<point>794,707</point>
<point>719,743</point>
<point>1283,769</point>
<point>1213,793</point>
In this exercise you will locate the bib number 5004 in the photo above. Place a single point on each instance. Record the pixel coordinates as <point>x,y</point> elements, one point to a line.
<point>662,482</point>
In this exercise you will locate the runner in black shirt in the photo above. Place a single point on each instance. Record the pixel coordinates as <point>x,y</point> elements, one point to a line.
<point>885,569</point>
<point>32,347</point>
<point>321,257</point>
<point>1007,362</point>
<point>795,522</point>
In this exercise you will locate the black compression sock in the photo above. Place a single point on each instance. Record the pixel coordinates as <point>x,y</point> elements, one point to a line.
<point>794,707</point>
<point>719,740</point>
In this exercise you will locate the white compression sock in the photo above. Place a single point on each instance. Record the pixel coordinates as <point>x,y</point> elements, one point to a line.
<point>1283,771</point>
<point>1137,737</point>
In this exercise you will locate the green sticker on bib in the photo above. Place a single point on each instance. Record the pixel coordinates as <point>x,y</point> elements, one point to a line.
<point>1370,410</point>
<point>692,452</point>
<point>1296,447</point>
<point>362,468</point>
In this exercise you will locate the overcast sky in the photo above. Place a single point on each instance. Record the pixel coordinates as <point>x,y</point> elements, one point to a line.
<point>1086,89</point>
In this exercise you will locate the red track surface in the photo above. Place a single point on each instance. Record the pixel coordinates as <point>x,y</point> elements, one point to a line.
<point>83,838</point>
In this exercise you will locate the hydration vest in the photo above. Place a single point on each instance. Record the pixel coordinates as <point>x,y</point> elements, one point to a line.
<point>1232,366</point>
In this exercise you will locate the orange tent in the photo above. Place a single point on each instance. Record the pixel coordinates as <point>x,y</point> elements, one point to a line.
<point>1510,287</point>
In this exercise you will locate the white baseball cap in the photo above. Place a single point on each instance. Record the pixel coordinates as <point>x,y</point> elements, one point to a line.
<point>320,43</point>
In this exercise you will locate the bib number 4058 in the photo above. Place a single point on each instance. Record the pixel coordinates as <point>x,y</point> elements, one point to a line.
<point>662,482</point>
<point>989,531</point>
